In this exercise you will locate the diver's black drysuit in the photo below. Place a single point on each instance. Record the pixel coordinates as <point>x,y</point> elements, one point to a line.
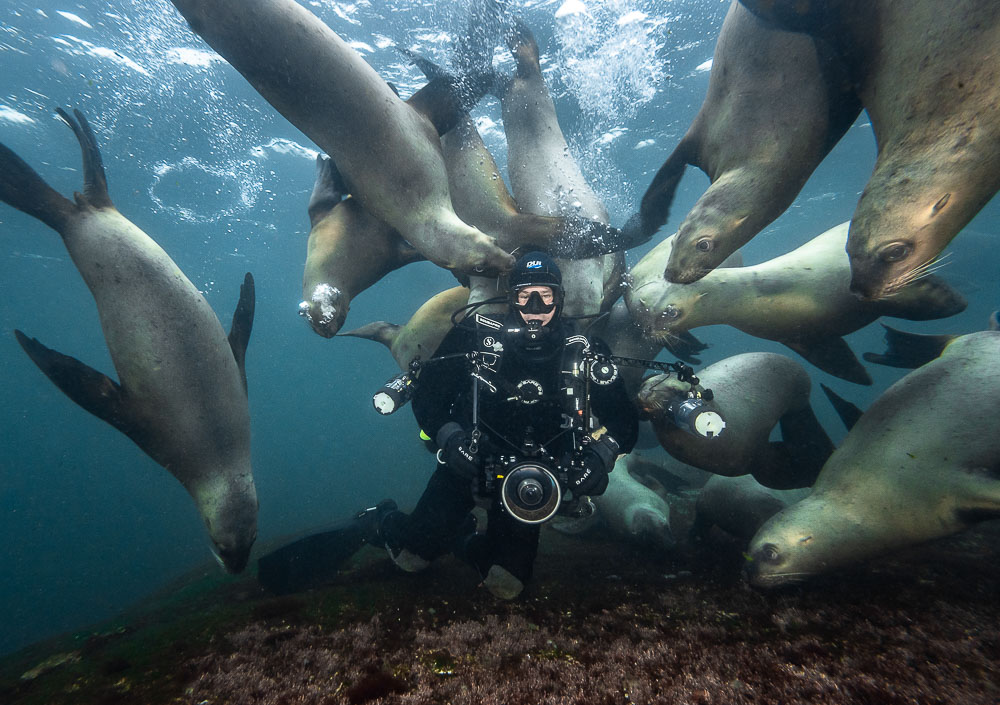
<point>507,418</point>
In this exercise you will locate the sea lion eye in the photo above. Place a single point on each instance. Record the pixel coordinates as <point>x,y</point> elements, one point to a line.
<point>769,552</point>
<point>704,245</point>
<point>895,252</point>
<point>671,312</point>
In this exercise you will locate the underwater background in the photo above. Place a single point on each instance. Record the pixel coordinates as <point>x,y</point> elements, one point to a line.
<point>88,523</point>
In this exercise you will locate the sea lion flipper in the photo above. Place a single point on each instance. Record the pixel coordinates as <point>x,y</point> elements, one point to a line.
<point>328,190</point>
<point>24,189</point>
<point>848,412</point>
<point>909,350</point>
<point>684,346</point>
<point>655,207</point>
<point>95,183</point>
<point>242,325</point>
<point>832,355</point>
<point>93,390</point>
<point>379,331</point>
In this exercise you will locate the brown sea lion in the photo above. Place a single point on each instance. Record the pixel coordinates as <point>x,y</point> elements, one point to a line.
<point>929,77</point>
<point>633,511</point>
<point>422,334</point>
<point>923,462</point>
<point>544,176</point>
<point>349,250</point>
<point>775,107</point>
<point>181,394</point>
<point>800,299</point>
<point>739,505</point>
<point>388,152</point>
<point>753,392</point>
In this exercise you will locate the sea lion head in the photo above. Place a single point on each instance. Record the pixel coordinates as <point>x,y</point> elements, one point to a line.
<point>658,392</point>
<point>230,515</point>
<point>890,248</point>
<point>326,309</point>
<point>661,309</point>
<point>806,539</point>
<point>708,235</point>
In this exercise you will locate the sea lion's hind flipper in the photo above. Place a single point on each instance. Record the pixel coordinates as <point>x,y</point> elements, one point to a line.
<point>94,391</point>
<point>909,350</point>
<point>832,355</point>
<point>848,412</point>
<point>239,331</point>
<point>95,184</point>
<point>24,189</point>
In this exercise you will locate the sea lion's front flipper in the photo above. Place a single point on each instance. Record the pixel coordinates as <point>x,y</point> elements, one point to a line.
<point>909,350</point>
<point>93,390</point>
<point>848,412</point>
<point>328,190</point>
<point>832,355</point>
<point>24,189</point>
<point>239,331</point>
<point>684,346</point>
<point>379,331</point>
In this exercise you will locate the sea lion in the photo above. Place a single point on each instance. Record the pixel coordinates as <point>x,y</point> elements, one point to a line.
<point>800,299</point>
<point>774,109</point>
<point>181,394</point>
<point>739,505</point>
<point>388,152</point>
<point>632,510</point>
<point>923,462</point>
<point>349,250</point>
<point>930,82</point>
<point>421,335</point>
<point>753,392</point>
<point>544,176</point>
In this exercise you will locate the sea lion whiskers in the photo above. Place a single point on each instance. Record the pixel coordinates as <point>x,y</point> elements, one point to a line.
<point>919,272</point>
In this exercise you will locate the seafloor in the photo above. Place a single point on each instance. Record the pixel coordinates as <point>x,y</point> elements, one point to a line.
<point>602,623</point>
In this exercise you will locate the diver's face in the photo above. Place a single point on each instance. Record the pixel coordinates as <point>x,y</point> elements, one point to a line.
<point>548,298</point>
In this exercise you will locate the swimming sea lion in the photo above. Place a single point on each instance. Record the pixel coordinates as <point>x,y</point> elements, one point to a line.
<point>544,176</point>
<point>923,462</point>
<point>930,82</point>
<point>634,511</point>
<point>349,250</point>
<point>181,394</point>
<point>739,505</point>
<point>388,152</point>
<point>775,107</point>
<point>800,299</point>
<point>422,334</point>
<point>753,392</point>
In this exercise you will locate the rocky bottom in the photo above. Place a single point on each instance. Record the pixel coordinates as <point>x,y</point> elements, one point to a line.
<point>601,623</point>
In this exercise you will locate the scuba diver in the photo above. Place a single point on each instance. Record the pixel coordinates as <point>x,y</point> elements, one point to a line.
<point>524,413</point>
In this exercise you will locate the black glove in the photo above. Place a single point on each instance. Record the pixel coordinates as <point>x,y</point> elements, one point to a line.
<point>589,474</point>
<point>454,443</point>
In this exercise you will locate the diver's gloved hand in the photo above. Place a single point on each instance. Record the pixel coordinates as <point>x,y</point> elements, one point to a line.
<point>454,443</point>
<point>589,474</point>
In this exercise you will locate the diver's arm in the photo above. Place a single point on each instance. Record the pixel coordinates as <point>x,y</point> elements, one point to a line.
<point>613,407</point>
<point>440,384</point>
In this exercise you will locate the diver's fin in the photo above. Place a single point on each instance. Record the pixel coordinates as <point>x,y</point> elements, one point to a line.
<point>328,190</point>
<point>848,412</point>
<point>831,355</point>
<point>242,325</point>
<point>909,350</point>
<point>315,559</point>
<point>93,390</point>
<point>379,331</point>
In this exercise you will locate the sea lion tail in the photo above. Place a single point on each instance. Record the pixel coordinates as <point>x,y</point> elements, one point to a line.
<point>379,331</point>
<point>909,350</point>
<point>24,189</point>
<point>242,325</point>
<point>655,207</point>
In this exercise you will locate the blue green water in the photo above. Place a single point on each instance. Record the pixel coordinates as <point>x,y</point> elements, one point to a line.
<point>88,523</point>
